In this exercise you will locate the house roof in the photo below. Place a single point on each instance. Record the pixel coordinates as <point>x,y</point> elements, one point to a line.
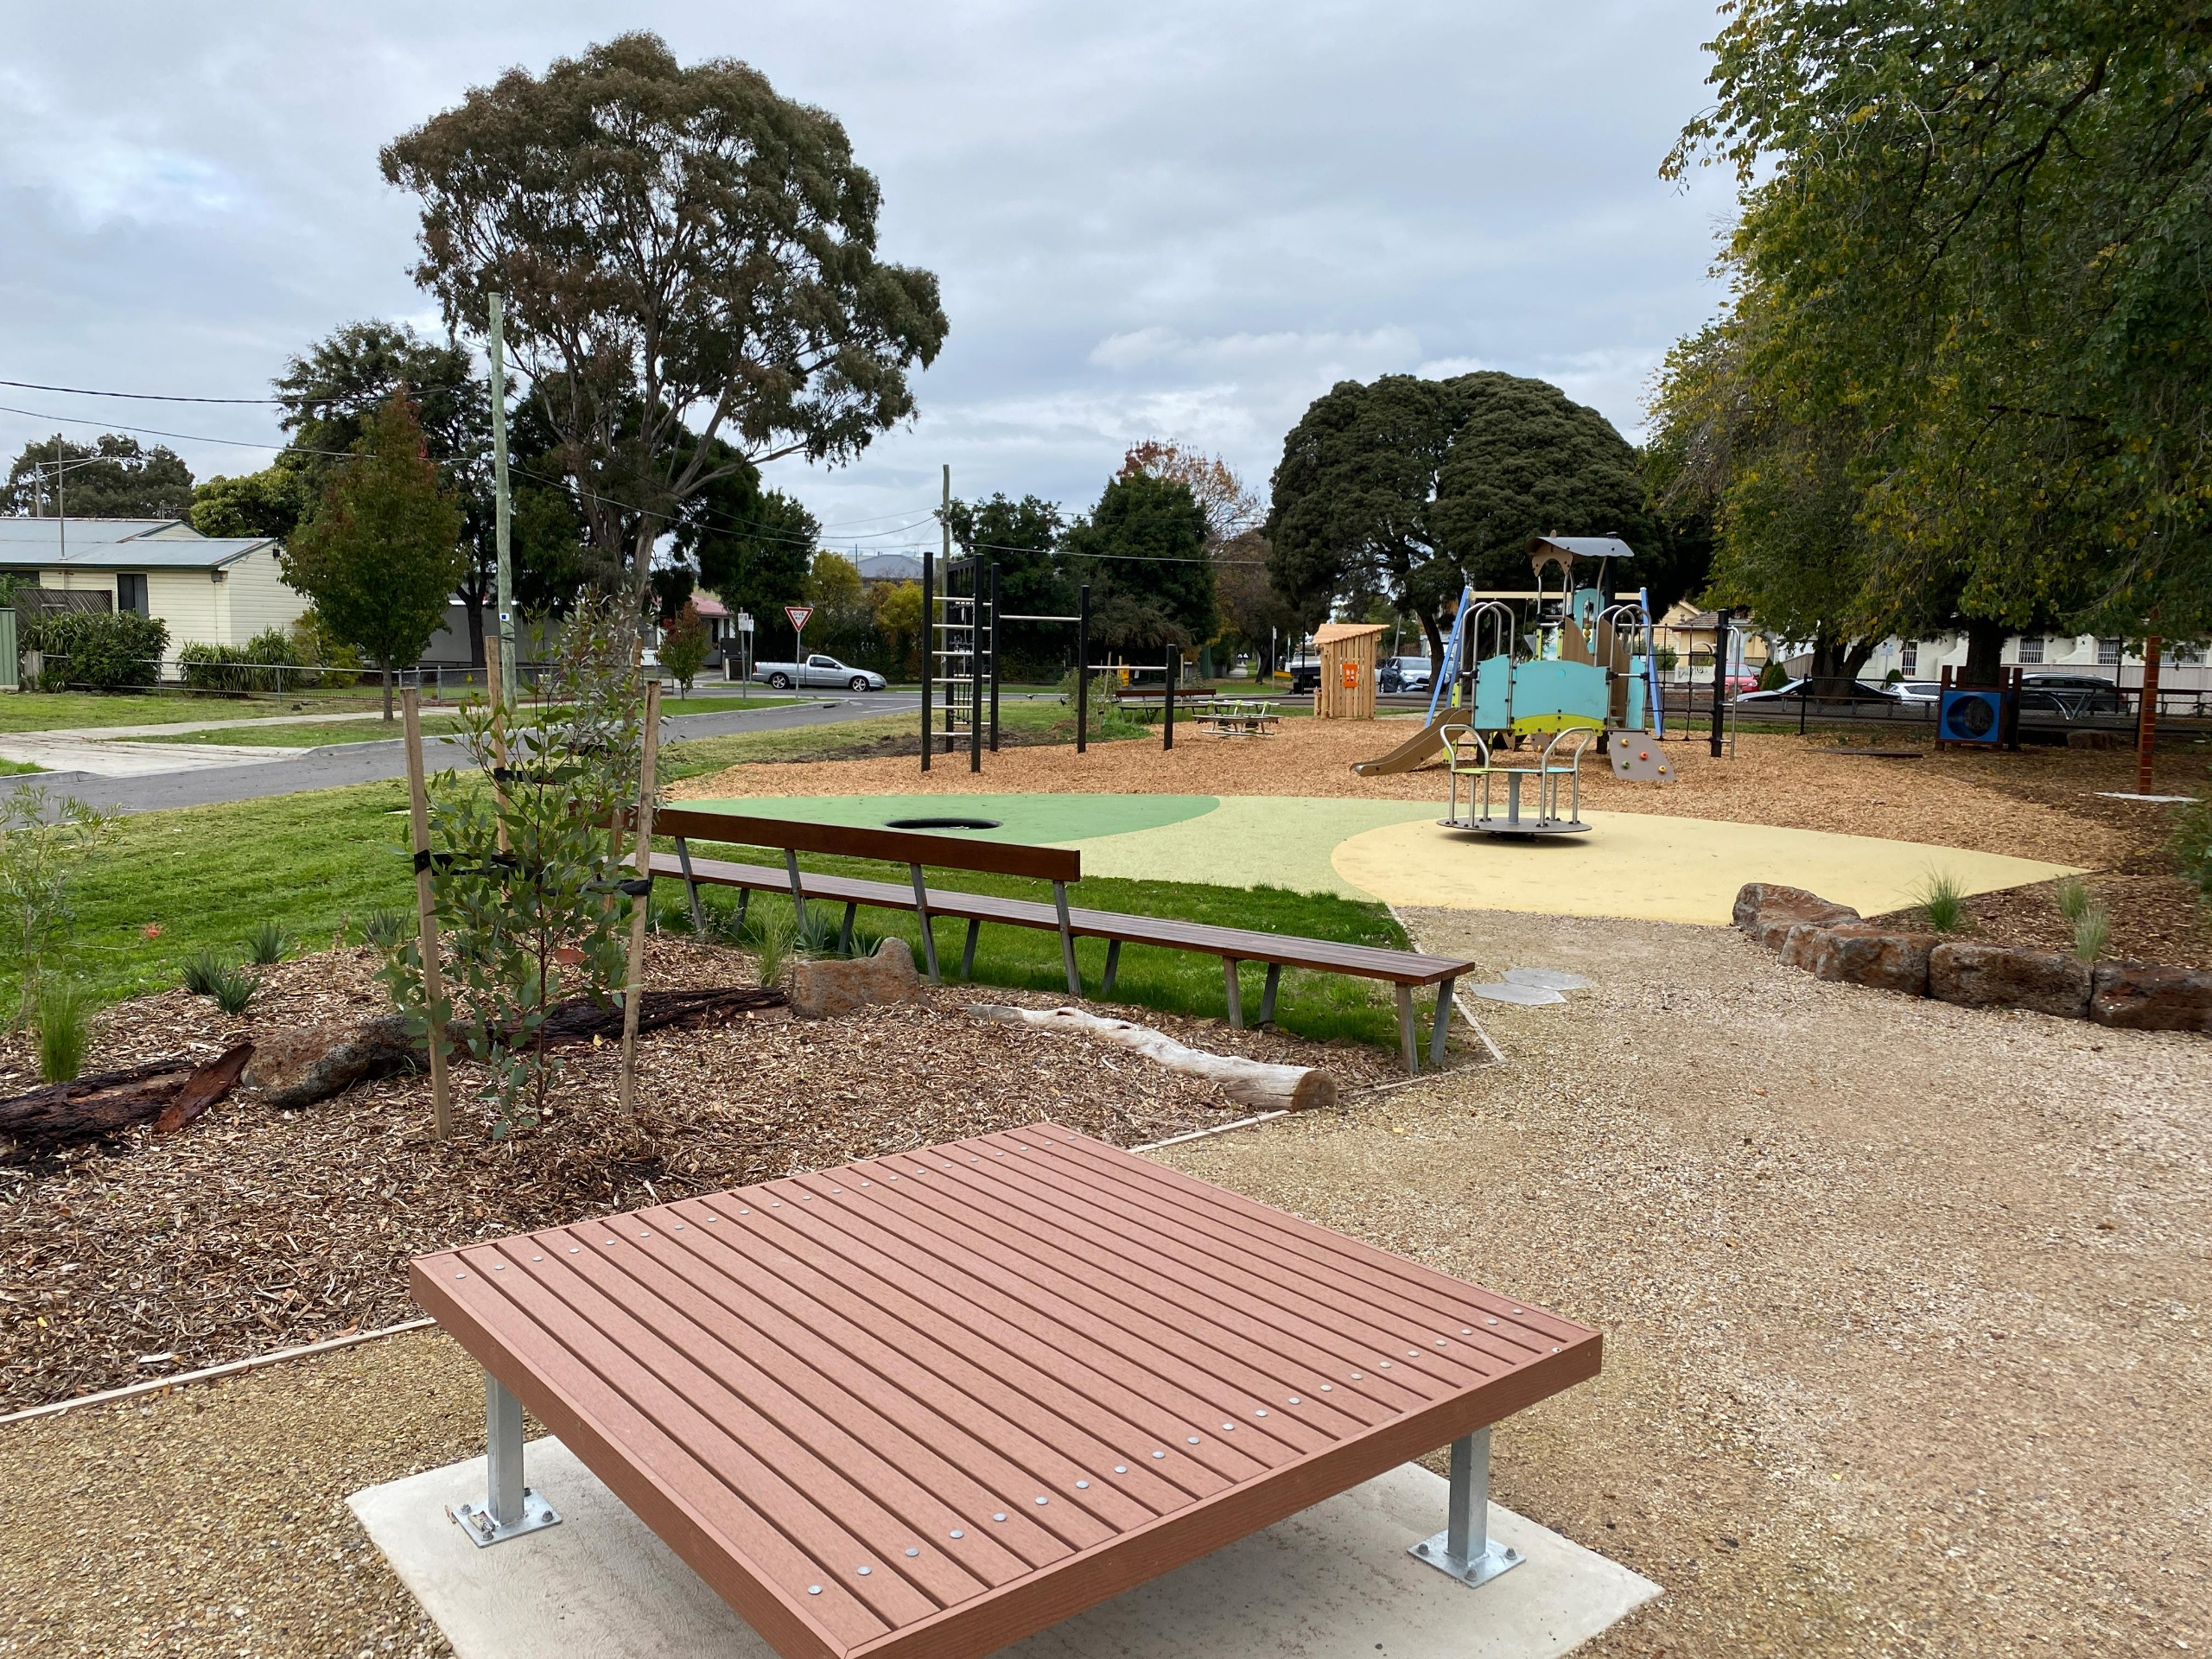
<point>888,567</point>
<point>1329,632</point>
<point>120,545</point>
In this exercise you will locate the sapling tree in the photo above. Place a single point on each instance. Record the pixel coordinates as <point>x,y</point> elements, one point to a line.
<point>527,872</point>
<point>45,844</point>
<point>683,646</point>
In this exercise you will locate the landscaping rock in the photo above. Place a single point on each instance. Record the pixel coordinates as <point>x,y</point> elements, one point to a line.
<point>1767,910</point>
<point>300,1066</point>
<point>821,990</point>
<point>2144,997</point>
<point>1863,953</point>
<point>2004,976</point>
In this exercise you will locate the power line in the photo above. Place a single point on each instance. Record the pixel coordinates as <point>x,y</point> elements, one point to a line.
<point>136,396</point>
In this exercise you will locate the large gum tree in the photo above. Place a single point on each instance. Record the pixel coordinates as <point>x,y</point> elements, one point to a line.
<point>689,267</point>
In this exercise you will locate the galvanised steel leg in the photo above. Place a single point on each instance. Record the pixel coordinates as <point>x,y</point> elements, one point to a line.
<point>744,903</point>
<point>798,891</point>
<point>1067,940</point>
<point>1268,994</point>
<point>922,911</point>
<point>967,954</point>
<point>511,1509</point>
<point>1408,1045</point>
<point>1235,991</point>
<point>1113,967</point>
<point>1443,1020</point>
<point>1464,1549</point>
<point>845,933</point>
<point>690,888</point>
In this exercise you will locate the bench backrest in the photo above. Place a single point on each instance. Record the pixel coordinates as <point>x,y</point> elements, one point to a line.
<point>893,846</point>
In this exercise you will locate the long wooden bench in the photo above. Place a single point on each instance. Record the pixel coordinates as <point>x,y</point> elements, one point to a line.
<point>1404,970</point>
<point>922,1406</point>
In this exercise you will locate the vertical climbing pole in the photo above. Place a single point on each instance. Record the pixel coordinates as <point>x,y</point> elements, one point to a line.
<point>929,616</point>
<point>994,637</point>
<point>1083,669</point>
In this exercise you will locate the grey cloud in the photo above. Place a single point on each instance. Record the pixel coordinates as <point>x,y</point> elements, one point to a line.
<point>1151,220</point>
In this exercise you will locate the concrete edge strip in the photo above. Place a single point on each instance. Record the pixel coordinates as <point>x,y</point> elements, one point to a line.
<point>230,1368</point>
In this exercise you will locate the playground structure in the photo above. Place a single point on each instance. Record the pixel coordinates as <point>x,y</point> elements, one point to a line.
<point>1581,669</point>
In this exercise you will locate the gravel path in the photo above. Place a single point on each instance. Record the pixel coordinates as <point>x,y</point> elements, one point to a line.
<point>1903,1304</point>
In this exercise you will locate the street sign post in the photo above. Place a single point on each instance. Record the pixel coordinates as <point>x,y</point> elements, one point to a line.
<point>799,614</point>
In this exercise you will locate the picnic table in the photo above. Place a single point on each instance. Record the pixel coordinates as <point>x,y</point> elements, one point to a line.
<point>929,1403</point>
<point>1237,717</point>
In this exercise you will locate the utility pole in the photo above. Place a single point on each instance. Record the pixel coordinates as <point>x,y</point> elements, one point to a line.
<point>502,517</point>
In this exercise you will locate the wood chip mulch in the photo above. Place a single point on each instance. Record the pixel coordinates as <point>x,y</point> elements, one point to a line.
<point>256,1229</point>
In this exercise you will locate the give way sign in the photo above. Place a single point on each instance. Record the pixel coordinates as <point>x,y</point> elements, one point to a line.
<point>799,614</point>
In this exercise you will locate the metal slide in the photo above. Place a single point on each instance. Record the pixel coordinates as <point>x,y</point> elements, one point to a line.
<point>1423,746</point>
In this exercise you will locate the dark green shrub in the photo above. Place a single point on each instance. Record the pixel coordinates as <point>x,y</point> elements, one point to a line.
<point>216,668</point>
<point>106,651</point>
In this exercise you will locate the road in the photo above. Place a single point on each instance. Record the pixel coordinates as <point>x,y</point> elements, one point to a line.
<point>339,764</point>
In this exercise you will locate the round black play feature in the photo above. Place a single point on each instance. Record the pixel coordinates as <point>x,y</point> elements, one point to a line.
<point>941,823</point>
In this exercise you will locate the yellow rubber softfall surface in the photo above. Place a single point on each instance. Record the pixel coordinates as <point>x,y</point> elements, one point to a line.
<point>1659,868</point>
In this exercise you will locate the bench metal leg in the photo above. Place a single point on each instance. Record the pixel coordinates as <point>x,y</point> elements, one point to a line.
<point>1113,967</point>
<point>1408,1045</point>
<point>968,952</point>
<point>1268,995</point>
<point>1443,1020</point>
<point>922,911</point>
<point>744,903</point>
<point>509,1509</point>
<point>845,933</point>
<point>1234,992</point>
<point>690,889</point>
<point>1067,940</point>
<point>1464,1548</point>
<point>799,891</point>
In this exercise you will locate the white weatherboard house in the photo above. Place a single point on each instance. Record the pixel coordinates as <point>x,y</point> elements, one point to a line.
<point>211,590</point>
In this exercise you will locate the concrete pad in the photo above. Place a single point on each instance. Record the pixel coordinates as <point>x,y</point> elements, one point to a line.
<point>124,758</point>
<point>1334,1580</point>
<point>1659,868</point>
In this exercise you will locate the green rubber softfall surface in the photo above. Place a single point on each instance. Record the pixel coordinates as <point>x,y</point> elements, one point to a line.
<point>1030,819</point>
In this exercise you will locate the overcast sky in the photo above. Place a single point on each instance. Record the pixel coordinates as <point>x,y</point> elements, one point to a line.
<point>1169,220</point>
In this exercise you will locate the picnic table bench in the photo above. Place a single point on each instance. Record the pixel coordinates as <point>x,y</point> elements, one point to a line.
<point>1403,970</point>
<point>1237,717</point>
<point>929,1404</point>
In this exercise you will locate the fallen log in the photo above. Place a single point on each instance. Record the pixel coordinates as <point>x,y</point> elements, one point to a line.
<point>169,1094</point>
<point>578,1020</point>
<point>1256,1083</point>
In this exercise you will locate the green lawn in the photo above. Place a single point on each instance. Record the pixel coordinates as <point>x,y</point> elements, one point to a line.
<point>202,877</point>
<point>46,711</point>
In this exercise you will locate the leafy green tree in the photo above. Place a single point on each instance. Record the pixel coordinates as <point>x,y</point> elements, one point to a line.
<point>670,240</point>
<point>270,502</point>
<point>380,559</point>
<point>113,477</point>
<point>45,843</point>
<point>1143,550</point>
<point>1021,538</point>
<point>1979,233</point>
<point>684,644</point>
<point>1409,489</point>
<point>751,547</point>
<point>898,625</point>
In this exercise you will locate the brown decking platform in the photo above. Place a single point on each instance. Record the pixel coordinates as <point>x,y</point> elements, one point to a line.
<point>932,1403</point>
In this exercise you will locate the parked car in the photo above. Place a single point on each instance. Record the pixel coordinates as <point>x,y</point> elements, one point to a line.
<point>2069,696</point>
<point>1798,692</point>
<point>818,671</point>
<point>1305,675</point>
<point>1918,691</point>
<point>1399,674</point>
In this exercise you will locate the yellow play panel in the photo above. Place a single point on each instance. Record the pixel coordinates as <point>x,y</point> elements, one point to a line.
<point>1660,868</point>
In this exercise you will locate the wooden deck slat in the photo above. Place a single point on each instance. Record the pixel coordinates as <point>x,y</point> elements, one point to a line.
<point>958,1461</point>
<point>1367,1335</point>
<point>1229,1354</point>
<point>1242,1225</point>
<point>925,1495</point>
<point>794,1379</point>
<point>1056,1411</point>
<point>1026,1271</point>
<point>1079,1352</point>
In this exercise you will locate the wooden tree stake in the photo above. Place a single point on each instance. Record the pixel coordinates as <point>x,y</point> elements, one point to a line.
<point>426,913</point>
<point>496,685</point>
<point>642,906</point>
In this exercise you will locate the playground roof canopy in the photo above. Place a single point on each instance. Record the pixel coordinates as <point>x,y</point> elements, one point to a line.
<point>1585,547</point>
<point>1329,632</point>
